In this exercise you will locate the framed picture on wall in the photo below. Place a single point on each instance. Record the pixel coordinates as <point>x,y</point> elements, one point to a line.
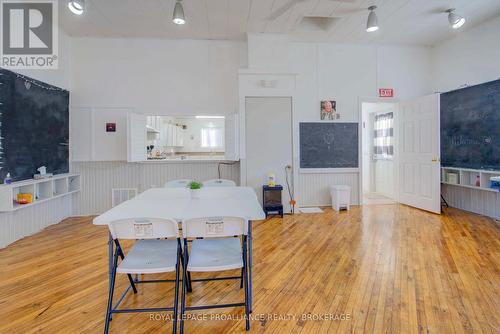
<point>329,110</point>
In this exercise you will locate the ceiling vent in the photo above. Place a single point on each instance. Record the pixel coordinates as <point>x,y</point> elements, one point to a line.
<point>317,23</point>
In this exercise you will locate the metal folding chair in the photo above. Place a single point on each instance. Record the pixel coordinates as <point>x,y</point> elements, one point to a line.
<point>220,249</point>
<point>152,253</point>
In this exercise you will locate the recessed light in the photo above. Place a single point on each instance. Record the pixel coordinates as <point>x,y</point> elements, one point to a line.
<point>76,6</point>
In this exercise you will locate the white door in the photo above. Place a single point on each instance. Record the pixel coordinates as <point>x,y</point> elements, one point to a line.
<point>136,137</point>
<point>419,163</point>
<point>268,142</point>
<point>231,137</point>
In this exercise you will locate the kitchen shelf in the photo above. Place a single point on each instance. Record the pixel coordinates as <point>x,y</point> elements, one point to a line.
<point>42,190</point>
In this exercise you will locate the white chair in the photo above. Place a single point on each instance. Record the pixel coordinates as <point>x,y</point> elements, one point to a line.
<point>182,183</point>
<point>219,183</point>
<point>150,254</point>
<point>220,249</point>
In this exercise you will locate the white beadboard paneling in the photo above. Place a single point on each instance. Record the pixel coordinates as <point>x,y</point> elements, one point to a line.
<point>474,200</point>
<point>27,221</point>
<point>98,178</point>
<point>315,188</point>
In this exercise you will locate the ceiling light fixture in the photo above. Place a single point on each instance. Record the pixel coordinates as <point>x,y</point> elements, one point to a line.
<point>372,22</point>
<point>76,6</point>
<point>456,21</point>
<point>179,13</point>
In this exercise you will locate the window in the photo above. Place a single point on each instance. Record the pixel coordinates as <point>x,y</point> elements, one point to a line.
<point>211,137</point>
<point>383,136</point>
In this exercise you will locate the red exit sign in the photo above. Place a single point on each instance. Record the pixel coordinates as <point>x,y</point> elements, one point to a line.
<point>386,92</point>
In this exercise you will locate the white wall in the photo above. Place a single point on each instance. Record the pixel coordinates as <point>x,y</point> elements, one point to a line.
<point>149,76</point>
<point>346,73</point>
<point>472,57</point>
<point>153,76</point>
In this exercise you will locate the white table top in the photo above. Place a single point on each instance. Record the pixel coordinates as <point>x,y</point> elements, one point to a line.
<point>177,203</point>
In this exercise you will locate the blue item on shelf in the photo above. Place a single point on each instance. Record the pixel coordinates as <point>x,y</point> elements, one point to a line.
<point>495,182</point>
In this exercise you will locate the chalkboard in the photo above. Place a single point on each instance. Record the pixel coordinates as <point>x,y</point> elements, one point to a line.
<point>34,129</point>
<point>328,145</point>
<point>470,127</point>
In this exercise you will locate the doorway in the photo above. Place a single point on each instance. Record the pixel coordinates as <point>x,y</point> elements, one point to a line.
<point>379,142</point>
<point>269,144</point>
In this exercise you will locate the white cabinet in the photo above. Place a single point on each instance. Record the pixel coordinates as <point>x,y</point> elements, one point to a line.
<point>153,123</point>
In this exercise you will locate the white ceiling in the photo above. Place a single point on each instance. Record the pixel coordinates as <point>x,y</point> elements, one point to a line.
<point>414,22</point>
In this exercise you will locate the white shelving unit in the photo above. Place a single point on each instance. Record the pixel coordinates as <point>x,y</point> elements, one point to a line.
<point>467,178</point>
<point>42,190</point>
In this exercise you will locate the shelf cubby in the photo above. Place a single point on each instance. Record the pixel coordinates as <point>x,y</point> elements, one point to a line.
<point>60,186</point>
<point>43,190</point>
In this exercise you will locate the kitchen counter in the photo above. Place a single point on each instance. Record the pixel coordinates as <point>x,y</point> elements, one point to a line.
<point>189,158</point>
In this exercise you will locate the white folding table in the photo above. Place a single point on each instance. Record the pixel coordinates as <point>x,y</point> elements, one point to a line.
<point>177,203</point>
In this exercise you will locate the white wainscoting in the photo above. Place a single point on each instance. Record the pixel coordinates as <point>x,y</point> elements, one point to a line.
<point>474,200</point>
<point>27,221</point>
<point>315,187</point>
<point>98,178</point>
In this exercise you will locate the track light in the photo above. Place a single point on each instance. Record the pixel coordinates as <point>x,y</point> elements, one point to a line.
<point>456,21</point>
<point>372,23</point>
<point>76,6</point>
<point>178,13</point>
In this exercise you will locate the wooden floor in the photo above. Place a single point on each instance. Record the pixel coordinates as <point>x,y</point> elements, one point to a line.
<point>376,269</point>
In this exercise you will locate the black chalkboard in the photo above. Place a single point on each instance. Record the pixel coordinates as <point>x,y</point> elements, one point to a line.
<point>34,129</point>
<point>470,127</point>
<point>328,145</point>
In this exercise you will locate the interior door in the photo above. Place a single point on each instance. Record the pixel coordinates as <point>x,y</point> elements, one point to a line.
<point>419,162</point>
<point>268,136</point>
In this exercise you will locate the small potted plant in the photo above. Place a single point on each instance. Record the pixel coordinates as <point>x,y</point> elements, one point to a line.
<point>195,189</point>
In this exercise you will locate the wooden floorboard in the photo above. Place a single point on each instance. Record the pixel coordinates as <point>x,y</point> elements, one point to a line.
<point>373,269</point>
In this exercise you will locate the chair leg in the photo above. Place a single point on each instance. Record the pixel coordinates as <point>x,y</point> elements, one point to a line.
<point>122,256</point>
<point>189,287</point>
<point>189,282</point>
<point>241,281</point>
<point>245,279</point>
<point>184,288</point>
<point>111,291</point>
<point>176,298</point>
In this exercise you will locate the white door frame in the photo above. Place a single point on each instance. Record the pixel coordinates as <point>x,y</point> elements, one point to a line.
<point>362,100</point>
<point>256,83</point>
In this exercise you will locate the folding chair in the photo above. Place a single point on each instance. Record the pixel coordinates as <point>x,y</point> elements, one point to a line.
<point>150,254</point>
<point>182,183</point>
<point>220,249</point>
<point>219,183</point>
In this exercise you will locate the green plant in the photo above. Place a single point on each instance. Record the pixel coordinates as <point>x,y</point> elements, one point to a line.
<point>195,185</point>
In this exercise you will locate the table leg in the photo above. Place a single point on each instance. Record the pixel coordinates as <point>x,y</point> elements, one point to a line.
<point>110,256</point>
<point>250,294</point>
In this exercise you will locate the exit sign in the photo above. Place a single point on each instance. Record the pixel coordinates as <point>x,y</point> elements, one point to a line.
<point>386,92</point>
